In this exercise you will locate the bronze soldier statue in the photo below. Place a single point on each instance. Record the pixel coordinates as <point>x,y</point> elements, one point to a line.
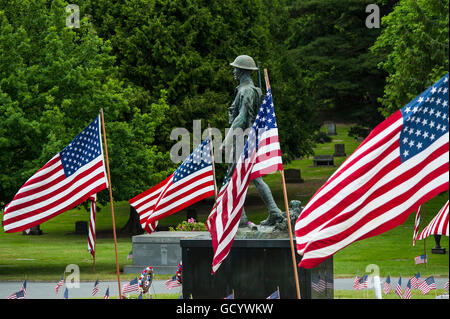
<point>242,114</point>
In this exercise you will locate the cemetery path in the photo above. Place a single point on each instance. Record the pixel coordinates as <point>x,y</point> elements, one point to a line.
<point>46,290</point>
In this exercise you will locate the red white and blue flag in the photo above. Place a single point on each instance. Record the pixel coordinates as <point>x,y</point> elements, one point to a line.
<point>407,292</point>
<point>416,226</point>
<point>190,183</point>
<point>427,285</point>
<point>438,225</point>
<point>415,281</point>
<point>274,295</point>
<point>387,285</point>
<point>422,259</point>
<point>67,180</point>
<point>91,234</point>
<point>59,284</point>
<point>95,289</point>
<point>401,164</point>
<point>398,287</point>
<point>17,295</point>
<point>261,156</point>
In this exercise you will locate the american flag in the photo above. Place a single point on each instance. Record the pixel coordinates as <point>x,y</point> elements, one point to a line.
<point>362,283</point>
<point>172,283</point>
<point>95,289</point>
<point>438,225</point>
<point>387,285</point>
<point>24,287</point>
<point>17,295</point>
<point>355,282</point>
<point>66,294</point>
<point>446,286</point>
<point>261,156</point>
<point>402,163</point>
<point>329,282</point>
<point>91,235</point>
<point>106,294</point>
<point>190,183</point>
<point>59,284</point>
<point>398,288</point>
<point>407,292</point>
<point>427,285</point>
<point>131,286</point>
<point>415,281</point>
<point>422,259</point>
<point>318,284</point>
<point>416,226</point>
<point>274,295</point>
<point>66,181</point>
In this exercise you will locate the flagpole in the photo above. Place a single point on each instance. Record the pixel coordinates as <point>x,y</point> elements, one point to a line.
<point>212,160</point>
<point>111,201</point>
<point>288,217</point>
<point>424,248</point>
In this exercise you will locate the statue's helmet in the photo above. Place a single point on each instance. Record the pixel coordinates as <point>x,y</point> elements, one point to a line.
<point>244,62</point>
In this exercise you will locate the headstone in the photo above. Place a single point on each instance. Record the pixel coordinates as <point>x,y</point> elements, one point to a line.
<point>438,249</point>
<point>36,230</point>
<point>81,227</point>
<point>293,175</point>
<point>332,129</point>
<point>339,150</point>
<point>323,160</point>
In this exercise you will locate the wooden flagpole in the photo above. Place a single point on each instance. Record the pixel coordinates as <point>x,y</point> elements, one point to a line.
<point>211,148</point>
<point>111,202</point>
<point>424,248</point>
<point>288,217</point>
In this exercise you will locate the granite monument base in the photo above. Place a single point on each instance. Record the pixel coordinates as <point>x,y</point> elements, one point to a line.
<point>160,250</point>
<point>254,269</point>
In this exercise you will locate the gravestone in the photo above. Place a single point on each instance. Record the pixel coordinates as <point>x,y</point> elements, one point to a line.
<point>293,175</point>
<point>323,160</point>
<point>339,150</point>
<point>254,269</point>
<point>81,227</point>
<point>332,129</point>
<point>160,249</point>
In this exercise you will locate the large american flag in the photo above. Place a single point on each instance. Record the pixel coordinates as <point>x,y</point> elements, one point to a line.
<point>91,234</point>
<point>438,225</point>
<point>402,163</point>
<point>190,183</point>
<point>66,181</point>
<point>261,156</point>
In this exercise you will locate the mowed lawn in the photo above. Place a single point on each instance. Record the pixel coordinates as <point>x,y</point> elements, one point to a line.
<point>45,257</point>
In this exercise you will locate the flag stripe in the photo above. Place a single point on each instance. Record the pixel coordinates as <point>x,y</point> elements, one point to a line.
<point>439,224</point>
<point>401,164</point>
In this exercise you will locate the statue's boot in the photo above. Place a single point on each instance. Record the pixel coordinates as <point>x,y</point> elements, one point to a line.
<point>243,221</point>
<point>275,214</point>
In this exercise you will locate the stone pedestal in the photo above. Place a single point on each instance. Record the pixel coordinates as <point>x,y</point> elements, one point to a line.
<point>254,269</point>
<point>160,250</point>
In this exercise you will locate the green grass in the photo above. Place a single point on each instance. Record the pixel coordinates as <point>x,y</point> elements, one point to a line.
<point>46,257</point>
